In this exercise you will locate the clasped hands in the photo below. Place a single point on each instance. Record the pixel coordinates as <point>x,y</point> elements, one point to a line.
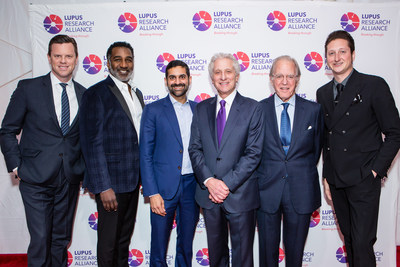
<point>217,189</point>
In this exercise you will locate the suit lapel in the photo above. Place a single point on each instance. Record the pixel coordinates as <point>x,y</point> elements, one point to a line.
<point>272,122</point>
<point>298,120</point>
<point>350,91</point>
<point>78,94</point>
<point>114,89</point>
<point>49,99</point>
<point>169,112</point>
<point>212,120</point>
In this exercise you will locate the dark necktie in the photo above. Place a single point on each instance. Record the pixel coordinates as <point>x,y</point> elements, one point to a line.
<point>64,109</point>
<point>221,120</point>
<point>285,128</point>
<point>339,91</point>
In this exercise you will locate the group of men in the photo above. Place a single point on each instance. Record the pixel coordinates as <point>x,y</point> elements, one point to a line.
<point>243,162</point>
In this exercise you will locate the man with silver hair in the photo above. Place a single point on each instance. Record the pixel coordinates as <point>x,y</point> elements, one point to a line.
<point>287,175</point>
<point>225,149</point>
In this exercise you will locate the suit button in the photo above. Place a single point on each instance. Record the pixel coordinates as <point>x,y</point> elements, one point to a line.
<point>218,159</point>
<point>179,167</point>
<point>60,155</point>
<point>343,131</point>
<point>283,177</point>
<point>330,132</point>
<point>180,150</point>
<point>326,115</point>
<point>347,113</point>
<point>345,150</point>
<point>328,148</point>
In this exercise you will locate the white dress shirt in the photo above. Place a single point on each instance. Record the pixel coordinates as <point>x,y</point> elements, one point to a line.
<point>279,108</point>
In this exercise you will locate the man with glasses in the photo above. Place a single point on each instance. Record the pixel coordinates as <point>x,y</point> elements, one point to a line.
<point>287,175</point>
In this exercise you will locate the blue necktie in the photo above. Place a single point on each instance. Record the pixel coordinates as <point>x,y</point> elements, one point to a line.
<point>64,109</point>
<point>285,128</point>
<point>221,120</point>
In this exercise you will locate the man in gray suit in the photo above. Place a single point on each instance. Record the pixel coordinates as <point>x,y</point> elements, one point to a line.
<point>225,148</point>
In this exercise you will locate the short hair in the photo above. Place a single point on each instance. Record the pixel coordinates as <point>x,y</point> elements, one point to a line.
<point>340,34</point>
<point>62,39</point>
<point>118,44</point>
<point>177,63</point>
<point>236,65</point>
<point>288,58</point>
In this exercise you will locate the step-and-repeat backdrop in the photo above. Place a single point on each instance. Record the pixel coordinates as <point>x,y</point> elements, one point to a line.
<point>256,33</point>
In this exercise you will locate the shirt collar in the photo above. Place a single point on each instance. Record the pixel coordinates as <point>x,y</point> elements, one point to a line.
<point>54,80</point>
<point>345,80</point>
<point>174,101</point>
<point>278,101</point>
<point>229,99</point>
<point>121,85</point>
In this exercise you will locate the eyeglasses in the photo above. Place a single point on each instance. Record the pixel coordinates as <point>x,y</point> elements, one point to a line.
<point>279,77</point>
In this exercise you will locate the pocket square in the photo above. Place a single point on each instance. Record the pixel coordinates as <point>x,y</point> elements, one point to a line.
<point>357,99</point>
<point>309,127</point>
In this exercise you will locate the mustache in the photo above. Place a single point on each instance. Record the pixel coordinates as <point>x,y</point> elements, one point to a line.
<point>176,85</point>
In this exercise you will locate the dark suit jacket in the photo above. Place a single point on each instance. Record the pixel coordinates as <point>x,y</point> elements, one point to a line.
<point>353,130</point>
<point>43,149</point>
<point>109,139</point>
<point>299,167</point>
<point>161,149</point>
<point>236,159</point>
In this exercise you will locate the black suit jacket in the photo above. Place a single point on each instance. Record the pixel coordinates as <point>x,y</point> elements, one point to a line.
<point>235,160</point>
<point>109,139</point>
<point>42,149</point>
<point>353,144</point>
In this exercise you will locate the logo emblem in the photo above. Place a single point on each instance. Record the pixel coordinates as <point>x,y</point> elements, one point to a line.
<point>243,59</point>
<point>53,24</point>
<point>127,22</point>
<point>350,22</point>
<point>313,61</point>
<point>70,258</point>
<point>92,64</point>
<point>202,257</point>
<point>315,218</point>
<point>93,220</point>
<point>276,21</point>
<point>163,60</point>
<point>202,21</point>
<point>201,97</point>
<point>281,255</point>
<point>135,257</point>
<point>341,255</point>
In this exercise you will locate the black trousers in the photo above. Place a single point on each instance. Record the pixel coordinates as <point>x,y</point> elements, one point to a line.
<point>115,228</point>
<point>357,210</point>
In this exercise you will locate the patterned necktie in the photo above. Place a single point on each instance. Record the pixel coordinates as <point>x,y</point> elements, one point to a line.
<point>339,91</point>
<point>221,120</point>
<point>285,128</point>
<point>64,109</point>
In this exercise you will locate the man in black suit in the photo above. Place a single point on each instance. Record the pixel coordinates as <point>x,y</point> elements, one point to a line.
<point>225,149</point>
<point>109,126</point>
<point>358,109</point>
<point>287,175</point>
<point>47,160</point>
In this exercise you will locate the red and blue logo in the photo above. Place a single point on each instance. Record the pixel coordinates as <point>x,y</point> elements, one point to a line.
<point>70,259</point>
<point>281,255</point>
<point>350,22</point>
<point>135,257</point>
<point>202,21</point>
<point>276,20</point>
<point>315,219</point>
<point>313,61</point>
<point>202,257</point>
<point>163,60</point>
<point>93,220</point>
<point>127,22</point>
<point>201,97</point>
<point>92,64</point>
<point>341,255</point>
<point>53,24</point>
<point>243,59</point>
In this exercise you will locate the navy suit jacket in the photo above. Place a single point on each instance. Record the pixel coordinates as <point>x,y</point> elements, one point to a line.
<point>235,160</point>
<point>42,149</point>
<point>353,144</point>
<point>299,167</point>
<point>109,140</point>
<point>161,149</point>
